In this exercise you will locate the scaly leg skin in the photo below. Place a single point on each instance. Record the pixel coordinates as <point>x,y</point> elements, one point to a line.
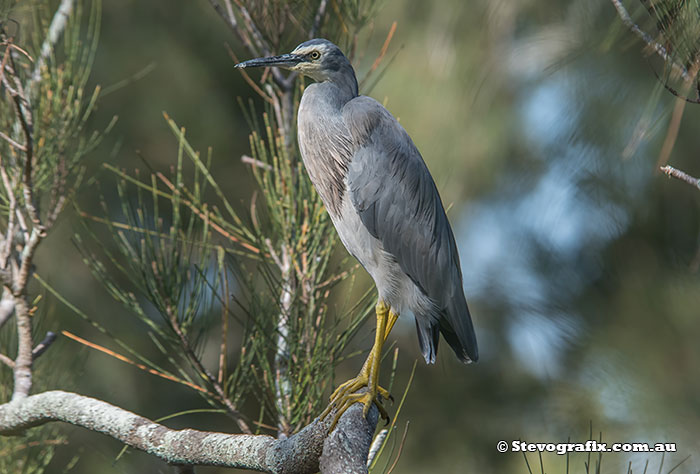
<point>344,396</point>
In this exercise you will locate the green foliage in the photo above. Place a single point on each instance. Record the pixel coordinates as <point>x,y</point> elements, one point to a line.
<point>678,23</point>
<point>44,109</point>
<point>51,91</point>
<point>183,252</point>
<point>33,453</point>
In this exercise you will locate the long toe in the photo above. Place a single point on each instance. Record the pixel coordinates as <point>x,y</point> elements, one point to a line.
<point>347,396</point>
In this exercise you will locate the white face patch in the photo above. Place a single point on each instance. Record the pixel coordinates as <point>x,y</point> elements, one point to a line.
<point>303,51</point>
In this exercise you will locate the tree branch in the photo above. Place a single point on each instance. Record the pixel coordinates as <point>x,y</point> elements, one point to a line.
<point>230,19</point>
<point>653,44</point>
<point>345,450</point>
<point>7,307</point>
<point>23,362</point>
<point>58,24</point>
<point>40,348</point>
<point>672,172</point>
<point>257,46</point>
<point>318,19</point>
<point>283,384</point>
<point>7,361</point>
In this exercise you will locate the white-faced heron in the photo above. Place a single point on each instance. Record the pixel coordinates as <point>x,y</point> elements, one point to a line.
<point>385,207</point>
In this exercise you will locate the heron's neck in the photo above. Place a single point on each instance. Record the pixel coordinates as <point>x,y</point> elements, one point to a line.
<point>345,81</point>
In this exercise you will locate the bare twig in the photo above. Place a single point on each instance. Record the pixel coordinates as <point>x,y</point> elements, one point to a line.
<point>315,28</point>
<point>7,307</point>
<point>44,344</point>
<point>223,348</point>
<point>220,395</point>
<point>247,78</point>
<point>260,42</point>
<point>58,24</point>
<point>401,445</point>
<point>283,384</point>
<point>205,215</point>
<point>230,19</point>
<point>7,361</point>
<point>262,46</point>
<point>24,116</point>
<point>301,453</point>
<point>122,358</point>
<point>678,174</point>
<point>376,444</point>
<point>385,47</point>
<point>653,44</point>
<point>23,363</point>
<point>257,163</point>
<point>12,143</point>
<point>676,116</point>
<point>11,215</point>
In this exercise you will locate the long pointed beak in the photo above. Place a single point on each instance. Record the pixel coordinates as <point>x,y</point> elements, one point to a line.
<point>284,60</point>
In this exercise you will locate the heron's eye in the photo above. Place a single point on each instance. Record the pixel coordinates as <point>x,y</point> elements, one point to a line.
<point>314,55</point>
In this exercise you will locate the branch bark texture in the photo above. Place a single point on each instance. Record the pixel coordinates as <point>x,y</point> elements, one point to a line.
<point>345,450</point>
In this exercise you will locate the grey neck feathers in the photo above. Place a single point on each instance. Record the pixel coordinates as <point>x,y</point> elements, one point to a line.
<point>338,70</point>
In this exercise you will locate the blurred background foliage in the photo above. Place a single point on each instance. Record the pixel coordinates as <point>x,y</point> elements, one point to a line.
<point>543,123</point>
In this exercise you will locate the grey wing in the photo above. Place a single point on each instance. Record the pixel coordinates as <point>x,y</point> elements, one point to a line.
<point>397,200</point>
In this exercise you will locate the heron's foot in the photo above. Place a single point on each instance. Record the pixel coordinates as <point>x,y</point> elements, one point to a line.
<point>347,395</point>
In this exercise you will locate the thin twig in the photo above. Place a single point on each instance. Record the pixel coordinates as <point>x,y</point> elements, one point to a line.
<point>320,13</point>
<point>376,444</point>
<point>262,45</point>
<point>283,384</point>
<point>257,163</point>
<point>385,47</point>
<point>58,24</point>
<point>44,344</point>
<point>401,445</point>
<point>122,358</point>
<point>246,77</point>
<point>205,216</point>
<point>24,116</point>
<point>678,174</point>
<point>253,29</point>
<point>12,143</point>
<point>9,236</point>
<point>220,395</point>
<point>224,330</point>
<point>7,361</point>
<point>653,44</point>
<point>7,306</point>
<point>230,19</point>
<point>23,363</point>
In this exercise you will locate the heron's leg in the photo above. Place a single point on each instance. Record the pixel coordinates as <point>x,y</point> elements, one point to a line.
<point>344,396</point>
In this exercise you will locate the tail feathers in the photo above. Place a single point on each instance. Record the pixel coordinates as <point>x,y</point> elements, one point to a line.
<point>428,337</point>
<point>456,327</point>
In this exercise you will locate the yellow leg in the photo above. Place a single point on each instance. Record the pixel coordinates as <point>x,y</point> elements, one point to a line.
<point>390,323</point>
<point>344,396</point>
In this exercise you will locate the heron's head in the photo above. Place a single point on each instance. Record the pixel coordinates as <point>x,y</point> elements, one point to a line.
<point>318,59</point>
